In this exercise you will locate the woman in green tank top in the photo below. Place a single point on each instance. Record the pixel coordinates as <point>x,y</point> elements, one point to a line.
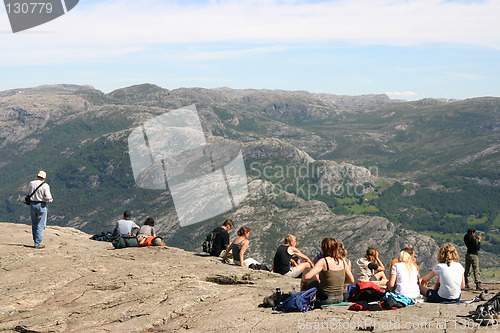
<point>330,273</point>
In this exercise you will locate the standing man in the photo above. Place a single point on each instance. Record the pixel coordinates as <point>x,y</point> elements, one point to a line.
<point>221,240</point>
<point>473,244</point>
<point>40,196</point>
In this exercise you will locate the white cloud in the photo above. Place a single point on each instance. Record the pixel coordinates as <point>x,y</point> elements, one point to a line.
<point>229,54</point>
<point>370,21</point>
<point>466,76</point>
<point>116,26</point>
<point>402,93</point>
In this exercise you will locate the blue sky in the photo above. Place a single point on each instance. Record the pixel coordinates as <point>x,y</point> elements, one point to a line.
<point>407,49</point>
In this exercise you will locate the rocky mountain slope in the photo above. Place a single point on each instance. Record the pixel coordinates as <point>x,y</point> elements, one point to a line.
<point>363,168</point>
<point>79,285</point>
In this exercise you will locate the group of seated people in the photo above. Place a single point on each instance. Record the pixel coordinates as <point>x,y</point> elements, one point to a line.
<point>146,235</point>
<point>331,272</point>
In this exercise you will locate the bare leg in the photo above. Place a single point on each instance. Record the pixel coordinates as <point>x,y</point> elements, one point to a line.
<point>380,276</point>
<point>423,290</point>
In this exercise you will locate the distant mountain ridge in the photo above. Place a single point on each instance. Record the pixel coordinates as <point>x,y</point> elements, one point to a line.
<point>387,163</point>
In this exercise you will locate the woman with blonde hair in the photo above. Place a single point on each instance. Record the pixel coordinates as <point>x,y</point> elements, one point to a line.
<point>329,274</point>
<point>450,277</point>
<point>404,276</point>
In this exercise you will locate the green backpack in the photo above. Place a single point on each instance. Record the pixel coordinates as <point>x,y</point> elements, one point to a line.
<point>119,241</point>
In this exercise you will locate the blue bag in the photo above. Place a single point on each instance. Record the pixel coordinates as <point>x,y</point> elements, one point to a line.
<point>300,302</point>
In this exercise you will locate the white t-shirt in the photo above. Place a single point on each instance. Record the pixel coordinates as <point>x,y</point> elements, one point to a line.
<point>450,279</point>
<point>124,227</point>
<point>406,282</point>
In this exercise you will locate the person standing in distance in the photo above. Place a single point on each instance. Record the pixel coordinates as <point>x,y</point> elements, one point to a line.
<point>38,207</point>
<point>473,244</point>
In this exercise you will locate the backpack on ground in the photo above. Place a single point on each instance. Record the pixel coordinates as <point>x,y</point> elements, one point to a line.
<point>300,302</point>
<point>487,314</point>
<point>119,241</point>
<point>261,267</point>
<point>273,300</point>
<point>208,244</point>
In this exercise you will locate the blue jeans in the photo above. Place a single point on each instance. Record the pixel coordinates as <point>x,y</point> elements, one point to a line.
<point>38,221</point>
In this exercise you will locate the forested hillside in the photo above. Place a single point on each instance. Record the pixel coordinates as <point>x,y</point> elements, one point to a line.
<point>431,166</point>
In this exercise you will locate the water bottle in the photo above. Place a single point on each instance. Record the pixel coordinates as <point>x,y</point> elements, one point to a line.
<point>278,295</point>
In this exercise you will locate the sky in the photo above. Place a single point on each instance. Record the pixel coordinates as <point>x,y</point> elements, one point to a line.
<point>404,48</point>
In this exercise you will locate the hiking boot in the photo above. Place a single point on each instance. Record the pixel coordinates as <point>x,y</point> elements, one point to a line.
<point>41,246</point>
<point>467,287</point>
<point>478,287</point>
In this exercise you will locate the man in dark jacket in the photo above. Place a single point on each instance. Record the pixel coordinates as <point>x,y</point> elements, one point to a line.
<point>221,240</point>
<point>473,244</point>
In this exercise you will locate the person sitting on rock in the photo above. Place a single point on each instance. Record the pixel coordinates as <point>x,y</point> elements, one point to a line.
<point>221,240</point>
<point>126,227</point>
<point>404,276</point>
<point>371,267</point>
<point>411,251</point>
<point>283,263</point>
<point>343,255</point>
<point>330,273</point>
<point>450,277</point>
<point>239,247</point>
<point>147,230</point>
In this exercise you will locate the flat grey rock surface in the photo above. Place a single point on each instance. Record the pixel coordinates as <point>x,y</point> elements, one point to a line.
<point>76,284</point>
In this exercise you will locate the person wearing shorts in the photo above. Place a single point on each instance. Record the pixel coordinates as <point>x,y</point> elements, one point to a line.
<point>450,275</point>
<point>283,262</point>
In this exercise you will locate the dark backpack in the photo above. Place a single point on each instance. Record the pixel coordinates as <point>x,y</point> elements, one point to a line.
<point>119,241</point>
<point>300,302</point>
<point>208,244</point>
<point>261,267</point>
<point>487,312</point>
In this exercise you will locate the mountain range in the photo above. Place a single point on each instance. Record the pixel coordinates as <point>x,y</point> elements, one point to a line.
<point>367,169</point>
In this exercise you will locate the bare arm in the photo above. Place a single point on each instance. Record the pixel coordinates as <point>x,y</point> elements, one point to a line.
<point>299,254</point>
<point>427,278</point>
<point>315,270</point>
<point>392,281</point>
<point>380,265</point>
<point>228,248</point>
<point>349,278</point>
